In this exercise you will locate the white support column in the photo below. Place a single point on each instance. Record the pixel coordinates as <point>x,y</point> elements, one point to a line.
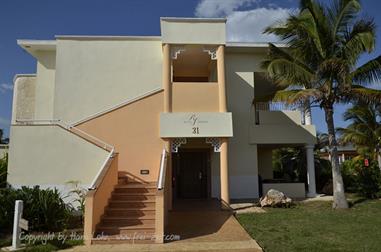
<point>311,171</point>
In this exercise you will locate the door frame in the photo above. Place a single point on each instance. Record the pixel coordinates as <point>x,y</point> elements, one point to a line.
<point>175,164</point>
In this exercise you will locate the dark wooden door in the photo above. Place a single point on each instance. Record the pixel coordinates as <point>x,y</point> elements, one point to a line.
<point>192,174</point>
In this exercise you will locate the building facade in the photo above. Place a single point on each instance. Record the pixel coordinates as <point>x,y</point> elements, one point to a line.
<point>146,121</point>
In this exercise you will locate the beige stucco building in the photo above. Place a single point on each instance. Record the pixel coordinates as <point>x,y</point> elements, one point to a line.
<point>144,122</point>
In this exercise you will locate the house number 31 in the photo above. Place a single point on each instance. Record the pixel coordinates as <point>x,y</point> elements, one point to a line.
<point>195,131</point>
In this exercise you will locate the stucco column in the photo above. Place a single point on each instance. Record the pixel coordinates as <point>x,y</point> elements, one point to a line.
<point>221,78</point>
<point>311,171</point>
<point>224,169</point>
<point>167,86</point>
<point>167,78</point>
<point>224,173</point>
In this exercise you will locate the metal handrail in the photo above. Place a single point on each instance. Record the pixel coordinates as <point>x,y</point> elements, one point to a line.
<point>68,127</point>
<point>100,175</point>
<point>275,106</point>
<point>162,171</point>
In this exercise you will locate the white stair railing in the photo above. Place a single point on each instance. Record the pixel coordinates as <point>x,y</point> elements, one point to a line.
<point>162,171</point>
<point>72,129</point>
<point>94,140</point>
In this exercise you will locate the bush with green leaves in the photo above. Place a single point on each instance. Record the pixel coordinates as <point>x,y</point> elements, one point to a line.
<point>3,171</point>
<point>365,180</point>
<point>43,208</point>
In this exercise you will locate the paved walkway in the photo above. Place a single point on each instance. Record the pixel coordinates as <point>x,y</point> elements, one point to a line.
<point>200,226</point>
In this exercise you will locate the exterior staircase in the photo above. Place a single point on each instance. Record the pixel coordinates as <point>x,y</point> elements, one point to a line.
<point>130,214</point>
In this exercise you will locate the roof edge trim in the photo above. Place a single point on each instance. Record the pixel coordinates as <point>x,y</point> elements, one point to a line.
<point>96,37</point>
<point>195,20</point>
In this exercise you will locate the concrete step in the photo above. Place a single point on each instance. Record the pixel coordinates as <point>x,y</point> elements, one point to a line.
<point>131,204</point>
<point>120,222</point>
<point>133,196</point>
<point>122,212</point>
<point>134,190</point>
<point>137,185</point>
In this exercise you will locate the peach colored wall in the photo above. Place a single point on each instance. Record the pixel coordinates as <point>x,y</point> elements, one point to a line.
<point>97,200</point>
<point>195,97</point>
<point>134,132</point>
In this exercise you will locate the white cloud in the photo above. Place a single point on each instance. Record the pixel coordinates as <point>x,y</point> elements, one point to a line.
<point>219,8</point>
<point>248,26</point>
<point>243,25</point>
<point>4,87</point>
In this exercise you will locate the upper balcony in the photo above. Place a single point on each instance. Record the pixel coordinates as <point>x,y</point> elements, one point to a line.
<point>278,123</point>
<point>194,79</point>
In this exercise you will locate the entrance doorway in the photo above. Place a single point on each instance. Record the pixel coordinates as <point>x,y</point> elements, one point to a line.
<point>191,173</point>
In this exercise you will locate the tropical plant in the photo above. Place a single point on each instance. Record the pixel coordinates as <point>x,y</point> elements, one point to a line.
<point>77,195</point>
<point>3,171</point>
<point>364,132</point>
<point>319,65</point>
<point>365,180</point>
<point>43,208</point>
<point>290,164</point>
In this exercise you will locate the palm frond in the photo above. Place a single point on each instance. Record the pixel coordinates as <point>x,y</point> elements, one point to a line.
<point>363,94</point>
<point>368,73</point>
<point>285,69</point>
<point>341,14</point>
<point>297,95</point>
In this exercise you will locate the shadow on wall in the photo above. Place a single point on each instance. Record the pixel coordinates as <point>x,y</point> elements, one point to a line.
<point>130,178</point>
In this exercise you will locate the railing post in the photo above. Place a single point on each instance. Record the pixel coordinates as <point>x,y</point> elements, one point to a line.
<point>16,227</point>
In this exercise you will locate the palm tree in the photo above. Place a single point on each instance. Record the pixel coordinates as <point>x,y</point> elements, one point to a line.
<point>319,65</point>
<point>364,131</point>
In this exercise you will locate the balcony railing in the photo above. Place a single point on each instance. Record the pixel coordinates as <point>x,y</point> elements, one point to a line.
<point>275,106</point>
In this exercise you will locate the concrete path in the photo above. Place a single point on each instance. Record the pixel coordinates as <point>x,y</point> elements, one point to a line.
<point>199,230</point>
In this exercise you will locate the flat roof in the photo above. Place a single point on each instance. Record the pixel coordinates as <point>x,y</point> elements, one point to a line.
<point>32,45</point>
<point>102,37</point>
<point>254,44</point>
<point>192,19</point>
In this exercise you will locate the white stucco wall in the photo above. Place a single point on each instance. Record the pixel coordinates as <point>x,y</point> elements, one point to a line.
<point>243,167</point>
<point>195,31</point>
<point>50,155</point>
<point>44,100</point>
<point>95,74</point>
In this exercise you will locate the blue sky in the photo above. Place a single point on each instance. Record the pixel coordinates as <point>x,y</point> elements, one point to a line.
<point>42,19</point>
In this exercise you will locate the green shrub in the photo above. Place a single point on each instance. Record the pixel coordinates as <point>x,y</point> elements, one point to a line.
<point>365,180</point>
<point>43,208</point>
<point>349,173</point>
<point>3,171</point>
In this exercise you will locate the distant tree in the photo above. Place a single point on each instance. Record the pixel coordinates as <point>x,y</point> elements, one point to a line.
<point>3,140</point>
<point>364,132</point>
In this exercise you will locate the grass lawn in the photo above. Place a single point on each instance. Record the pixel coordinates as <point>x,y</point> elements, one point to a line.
<point>314,226</point>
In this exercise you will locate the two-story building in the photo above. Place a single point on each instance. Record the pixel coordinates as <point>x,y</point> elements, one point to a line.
<point>145,122</point>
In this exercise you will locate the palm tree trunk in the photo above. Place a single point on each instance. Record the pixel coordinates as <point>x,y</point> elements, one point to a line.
<point>339,200</point>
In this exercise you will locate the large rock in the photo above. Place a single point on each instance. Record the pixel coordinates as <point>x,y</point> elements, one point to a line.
<point>274,198</point>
